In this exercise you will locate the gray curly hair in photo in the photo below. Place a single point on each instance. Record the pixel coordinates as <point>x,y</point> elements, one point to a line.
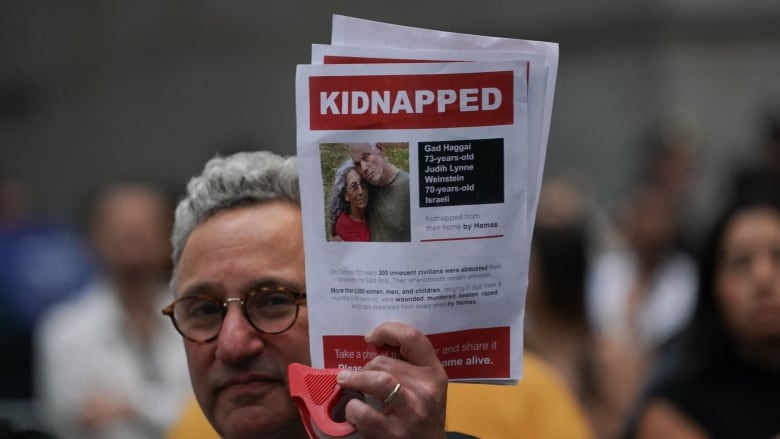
<point>337,203</point>
<point>241,179</point>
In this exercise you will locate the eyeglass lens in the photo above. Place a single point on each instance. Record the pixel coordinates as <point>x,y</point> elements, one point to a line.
<point>270,311</point>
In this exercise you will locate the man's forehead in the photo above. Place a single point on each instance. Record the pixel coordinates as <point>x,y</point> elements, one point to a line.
<point>243,245</point>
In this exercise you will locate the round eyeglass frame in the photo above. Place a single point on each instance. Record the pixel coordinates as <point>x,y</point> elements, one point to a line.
<point>300,298</point>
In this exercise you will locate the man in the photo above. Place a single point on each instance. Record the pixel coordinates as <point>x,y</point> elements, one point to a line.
<point>238,237</point>
<point>388,208</point>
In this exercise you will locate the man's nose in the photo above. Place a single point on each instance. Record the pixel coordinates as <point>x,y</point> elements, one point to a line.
<point>238,340</point>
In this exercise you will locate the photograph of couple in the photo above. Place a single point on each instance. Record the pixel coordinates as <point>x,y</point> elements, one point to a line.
<point>366,189</point>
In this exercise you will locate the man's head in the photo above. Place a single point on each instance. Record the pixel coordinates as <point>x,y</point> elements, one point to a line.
<point>370,160</point>
<point>244,178</point>
<point>238,233</point>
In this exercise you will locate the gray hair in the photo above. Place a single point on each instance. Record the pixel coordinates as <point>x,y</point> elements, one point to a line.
<point>337,203</point>
<point>241,179</point>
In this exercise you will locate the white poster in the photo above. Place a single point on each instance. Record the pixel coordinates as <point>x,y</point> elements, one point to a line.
<point>419,183</point>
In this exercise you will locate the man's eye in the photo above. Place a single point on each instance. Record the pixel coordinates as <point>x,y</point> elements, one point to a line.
<point>274,300</point>
<point>201,308</point>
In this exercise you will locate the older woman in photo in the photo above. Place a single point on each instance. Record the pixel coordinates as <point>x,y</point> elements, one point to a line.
<point>347,206</point>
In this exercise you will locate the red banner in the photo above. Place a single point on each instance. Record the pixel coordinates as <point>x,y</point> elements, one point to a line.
<point>411,101</point>
<point>472,353</point>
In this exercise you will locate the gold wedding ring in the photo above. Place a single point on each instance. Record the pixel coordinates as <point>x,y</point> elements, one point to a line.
<point>393,394</point>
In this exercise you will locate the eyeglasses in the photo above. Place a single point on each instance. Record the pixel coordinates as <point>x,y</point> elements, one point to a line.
<point>353,187</point>
<point>270,310</point>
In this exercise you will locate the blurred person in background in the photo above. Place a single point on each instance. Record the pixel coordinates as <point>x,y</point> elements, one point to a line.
<point>570,230</point>
<point>723,380</point>
<point>638,297</point>
<point>556,324</point>
<point>641,293</point>
<point>645,291</point>
<point>109,367</point>
<point>42,261</point>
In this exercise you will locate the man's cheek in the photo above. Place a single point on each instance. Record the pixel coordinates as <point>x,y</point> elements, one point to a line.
<point>198,366</point>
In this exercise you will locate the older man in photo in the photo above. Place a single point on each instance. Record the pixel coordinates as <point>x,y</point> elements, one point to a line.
<point>388,208</point>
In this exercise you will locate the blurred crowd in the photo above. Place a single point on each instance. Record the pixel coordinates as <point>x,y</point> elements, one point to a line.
<point>661,329</point>
<point>94,358</point>
<point>655,327</point>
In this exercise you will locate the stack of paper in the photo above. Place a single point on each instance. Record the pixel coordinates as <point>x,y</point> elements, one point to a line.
<point>446,134</point>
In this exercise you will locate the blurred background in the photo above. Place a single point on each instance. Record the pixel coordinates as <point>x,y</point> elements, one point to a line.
<point>92,91</point>
<point>681,92</point>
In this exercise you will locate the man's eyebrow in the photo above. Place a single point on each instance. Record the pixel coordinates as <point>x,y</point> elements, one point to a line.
<point>214,290</point>
<point>199,289</point>
<point>272,283</point>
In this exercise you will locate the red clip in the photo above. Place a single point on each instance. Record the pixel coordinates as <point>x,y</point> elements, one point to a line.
<point>315,392</point>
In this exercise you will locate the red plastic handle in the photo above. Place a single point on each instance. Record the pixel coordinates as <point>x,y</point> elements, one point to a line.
<point>315,392</point>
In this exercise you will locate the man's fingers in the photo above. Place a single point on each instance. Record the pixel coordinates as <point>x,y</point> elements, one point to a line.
<point>378,384</point>
<point>371,422</point>
<point>413,345</point>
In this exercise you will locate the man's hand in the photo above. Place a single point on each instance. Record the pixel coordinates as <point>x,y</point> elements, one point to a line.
<point>416,408</point>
